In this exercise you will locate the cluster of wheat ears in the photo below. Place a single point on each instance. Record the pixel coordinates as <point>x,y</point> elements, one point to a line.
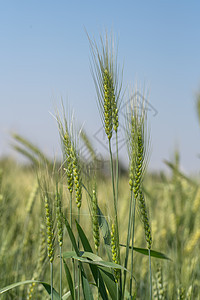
<point>105,267</point>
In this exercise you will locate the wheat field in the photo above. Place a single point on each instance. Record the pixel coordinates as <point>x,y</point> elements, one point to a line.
<point>77,230</point>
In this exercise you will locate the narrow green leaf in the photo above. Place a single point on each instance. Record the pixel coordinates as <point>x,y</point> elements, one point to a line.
<point>94,269</point>
<point>86,286</point>
<point>69,279</point>
<point>103,224</point>
<point>46,286</point>
<point>153,253</point>
<point>84,240</point>
<point>68,254</point>
<point>71,235</point>
<point>14,285</point>
<point>91,256</point>
<point>111,265</point>
<point>100,263</point>
<point>110,283</point>
<point>103,269</point>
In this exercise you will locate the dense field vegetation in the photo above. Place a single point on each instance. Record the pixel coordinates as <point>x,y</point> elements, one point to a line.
<point>174,205</point>
<point>75,230</point>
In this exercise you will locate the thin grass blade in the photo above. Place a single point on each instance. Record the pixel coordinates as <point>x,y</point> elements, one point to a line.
<point>71,235</point>
<point>86,286</point>
<point>109,281</point>
<point>69,279</point>
<point>153,253</point>
<point>45,285</point>
<point>105,230</point>
<point>98,260</point>
<point>94,269</point>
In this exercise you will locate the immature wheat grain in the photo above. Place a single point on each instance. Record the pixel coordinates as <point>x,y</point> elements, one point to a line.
<point>77,178</point>
<point>108,83</point>
<point>138,150</point>
<point>69,162</point>
<point>115,253</point>
<point>145,219</point>
<point>108,87</point>
<point>59,218</point>
<point>137,154</point>
<point>180,293</point>
<point>115,116</point>
<point>160,287</point>
<point>108,103</point>
<point>49,228</point>
<point>189,293</point>
<point>66,140</point>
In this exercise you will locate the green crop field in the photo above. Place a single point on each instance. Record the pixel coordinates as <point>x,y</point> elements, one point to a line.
<point>69,231</point>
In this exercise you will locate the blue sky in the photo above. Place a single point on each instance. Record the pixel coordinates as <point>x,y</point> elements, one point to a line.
<point>44,56</point>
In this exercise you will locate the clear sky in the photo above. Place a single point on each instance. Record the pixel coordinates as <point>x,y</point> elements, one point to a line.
<point>44,55</point>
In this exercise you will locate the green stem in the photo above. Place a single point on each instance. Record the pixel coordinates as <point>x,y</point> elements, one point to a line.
<point>71,212</point>
<point>114,196</point>
<point>112,176</point>
<point>128,241</point>
<point>98,297</point>
<point>74,277</point>
<point>132,245</point>
<point>73,262</point>
<point>51,272</point>
<point>78,264</point>
<point>60,272</point>
<point>115,202</point>
<point>150,275</point>
<point>117,189</point>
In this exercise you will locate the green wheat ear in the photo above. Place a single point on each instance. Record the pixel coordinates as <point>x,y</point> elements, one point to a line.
<point>181,293</point>
<point>108,101</point>
<point>59,218</point>
<point>49,228</point>
<point>115,252</point>
<point>69,162</point>
<point>158,285</point>
<point>73,166</point>
<point>67,147</point>
<point>138,143</point>
<point>138,149</point>
<point>77,177</point>
<point>108,82</point>
<point>145,219</point>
